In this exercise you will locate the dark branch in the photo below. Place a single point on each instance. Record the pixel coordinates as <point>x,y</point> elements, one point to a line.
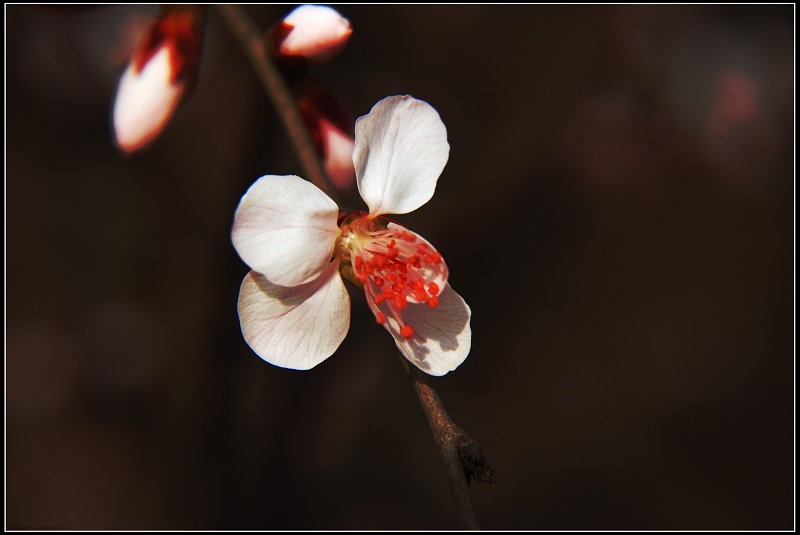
<point>461,455</point>
<point>252,42</point>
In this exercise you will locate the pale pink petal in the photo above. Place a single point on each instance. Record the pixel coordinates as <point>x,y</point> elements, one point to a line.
<point>296,327</point>
<point>428,271</point>
<point>285,228</point>
<point>145,101</point>
<point>401,148</point>
<point>318,33</point>
<point>338,154</point>
<point>442,335</point>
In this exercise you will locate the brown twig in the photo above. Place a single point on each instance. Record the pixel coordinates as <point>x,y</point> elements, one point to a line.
<point>461,455</point>
<point>252,43</point>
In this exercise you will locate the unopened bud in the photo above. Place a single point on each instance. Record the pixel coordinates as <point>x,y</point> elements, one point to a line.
<point>315,33</point>
<point>162,70</point>
<point>331,129</point>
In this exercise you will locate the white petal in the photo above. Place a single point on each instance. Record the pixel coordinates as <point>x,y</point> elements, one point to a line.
<point>400,151</point>
<point>145,102</point>
<point>442,336</point>
<point>285,228</point>
<point>296,327</point>
<point>428,271</point>
<point>318,33</point>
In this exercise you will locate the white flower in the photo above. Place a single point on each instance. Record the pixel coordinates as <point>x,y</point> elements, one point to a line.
<point>316,33</point>
<point>293,307</point>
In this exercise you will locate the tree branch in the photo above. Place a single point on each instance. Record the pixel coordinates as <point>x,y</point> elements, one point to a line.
<point>461,455</point>
<point>252,42</point>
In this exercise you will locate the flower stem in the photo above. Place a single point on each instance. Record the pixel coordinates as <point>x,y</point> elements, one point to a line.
<point>252,42</point>
<point>460,454</point>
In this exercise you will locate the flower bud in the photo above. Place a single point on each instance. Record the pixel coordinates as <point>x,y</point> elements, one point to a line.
<point>331,129</point>
<point>161,72</point>
<point>315,33</point>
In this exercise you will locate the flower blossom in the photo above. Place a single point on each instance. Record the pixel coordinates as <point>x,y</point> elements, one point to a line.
<point>161,71</point>
<point>293,307</point>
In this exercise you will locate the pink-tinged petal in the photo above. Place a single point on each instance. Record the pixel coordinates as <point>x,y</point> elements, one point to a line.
<point>317,33</point>
<point>441,336</point>
<point>432,268</point>
<point>296,327</point>
<point>338,154</point>
<point>400,150</point>
<point>145,101</point>
<point>285,228</point>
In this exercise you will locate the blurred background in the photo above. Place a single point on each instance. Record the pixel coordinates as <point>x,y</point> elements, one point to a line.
<point>617,211</point>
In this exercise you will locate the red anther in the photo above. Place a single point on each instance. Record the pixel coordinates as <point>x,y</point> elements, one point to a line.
<point>388,293</point>
<point>368,268</point>
<point>391,244</point>
<point>411,285</point>
<point>421,252</point>
<point>414,261</point>
<point>428,258</point>
<point>391,277</point>
<point>419,284</point>
<point>409,237</point>
<point>437,258</point>
<point>391,267</point>
<point>379,281</point>
<point>359,262</point>
<point>403,276</point>
<point>400,301</point>
<point>392,253</point>
<point>397,286</point>
<point>433,302</point>
<point>402,268</point>
<point>400,234</point>
<point>375,262</point>
<point>422,245</point>
<point>378,299</point>
<point>380,317</point>
<point>407,331</point>
<point>433,288</point>
<point>420,295</point>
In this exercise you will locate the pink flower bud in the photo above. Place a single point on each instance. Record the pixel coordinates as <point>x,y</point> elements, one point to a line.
<point>331,128</point>
<point>161,71</point>
<point>316,33</point>
<point>338,154</point>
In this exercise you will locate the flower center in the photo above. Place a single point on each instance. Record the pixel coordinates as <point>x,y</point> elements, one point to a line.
<point>395,267</point>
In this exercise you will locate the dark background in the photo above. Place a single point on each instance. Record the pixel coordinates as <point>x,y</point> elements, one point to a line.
<point>617,211</point>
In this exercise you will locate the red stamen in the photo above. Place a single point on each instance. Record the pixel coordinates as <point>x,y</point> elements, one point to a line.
<point>420,295</point>
<point>378,299</point>
<point>392,253</point>
<point>437,258</point>
<point>433,288</point>
<point>428,258</point>
<point>391,277</point>
<point>433,302</point>
<point>407,331</point>
<point>388,293</point>
<point>359,262</point>
<point>397,286</point>
<point>379,281</point>
<point>391,244</point>
<point>400,301</point>
<point>380,317</point>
